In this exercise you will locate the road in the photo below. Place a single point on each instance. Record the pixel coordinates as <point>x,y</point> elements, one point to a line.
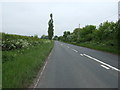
<point>70,66</point>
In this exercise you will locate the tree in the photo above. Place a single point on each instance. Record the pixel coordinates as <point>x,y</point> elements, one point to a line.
<point>117,33</point>
<point>60,38</point>
<point>83,34</point>
<point>44,37</point>
<point>75,35</point>
<point>55,37</point>
<point>65,35</point>
<point>50,28</point>
<point>35,36</point>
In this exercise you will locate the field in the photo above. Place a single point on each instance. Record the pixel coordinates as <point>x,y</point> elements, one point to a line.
<point>22,58</point>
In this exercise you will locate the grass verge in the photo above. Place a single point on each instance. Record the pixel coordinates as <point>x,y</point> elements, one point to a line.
<point>0,70</point>
<point>101,47</point>
<point>20,71</point>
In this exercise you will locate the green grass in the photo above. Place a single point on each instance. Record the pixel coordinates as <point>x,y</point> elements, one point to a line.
<point>0,70</point>
<point>20,71</point>
<point>101,47</point>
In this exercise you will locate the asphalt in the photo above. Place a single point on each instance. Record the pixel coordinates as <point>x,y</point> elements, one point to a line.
<point>70,66</point>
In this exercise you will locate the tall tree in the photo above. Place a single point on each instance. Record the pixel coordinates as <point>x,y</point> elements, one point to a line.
<point>50,27</point>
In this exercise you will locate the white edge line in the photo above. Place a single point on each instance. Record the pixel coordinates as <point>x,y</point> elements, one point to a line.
<point>42,72</point>
<point>40,75</point>
<point>105,67</point>
<point>101,62</point>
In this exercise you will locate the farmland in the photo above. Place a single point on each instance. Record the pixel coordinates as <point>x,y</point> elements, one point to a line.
<point>22,58</point>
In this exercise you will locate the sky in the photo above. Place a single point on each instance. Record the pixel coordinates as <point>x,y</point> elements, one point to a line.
<point>30,17</point>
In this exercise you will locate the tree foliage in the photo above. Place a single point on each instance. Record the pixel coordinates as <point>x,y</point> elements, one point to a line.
<point>107,33</point>
<point>44,37</point>
<point>65,36</point>
<point>55,37</point>
<point>50,28</point>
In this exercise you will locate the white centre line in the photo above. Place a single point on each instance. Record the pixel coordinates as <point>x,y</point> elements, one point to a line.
<point>67,46</point>
<point>74,50</point>
<point>81,54</point>
<point>105,67</point>
<point>101,62</point>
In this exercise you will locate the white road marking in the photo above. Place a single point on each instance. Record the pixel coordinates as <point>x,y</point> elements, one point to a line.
<point>81,54</point>
<point>44,66</point>
<point>101,62</point>
<point>40,75</point>
<point>104,67</point>
<point>49,56</point>
<point>68,46</point>
<point>42,72</point>
<point>74,50</point>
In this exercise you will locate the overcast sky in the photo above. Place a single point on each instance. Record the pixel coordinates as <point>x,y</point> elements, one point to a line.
<point>29,18</point>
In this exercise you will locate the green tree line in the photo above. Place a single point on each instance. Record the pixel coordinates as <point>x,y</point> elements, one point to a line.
<point>107,34</point>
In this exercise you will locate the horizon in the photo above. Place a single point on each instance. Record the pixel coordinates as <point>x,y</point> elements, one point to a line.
<point>43,34</point>
<point>30,18</point>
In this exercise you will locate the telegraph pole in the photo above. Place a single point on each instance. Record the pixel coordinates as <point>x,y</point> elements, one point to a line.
<point>118,10</point>
<point>78,34</point>
<point>79,25</point>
